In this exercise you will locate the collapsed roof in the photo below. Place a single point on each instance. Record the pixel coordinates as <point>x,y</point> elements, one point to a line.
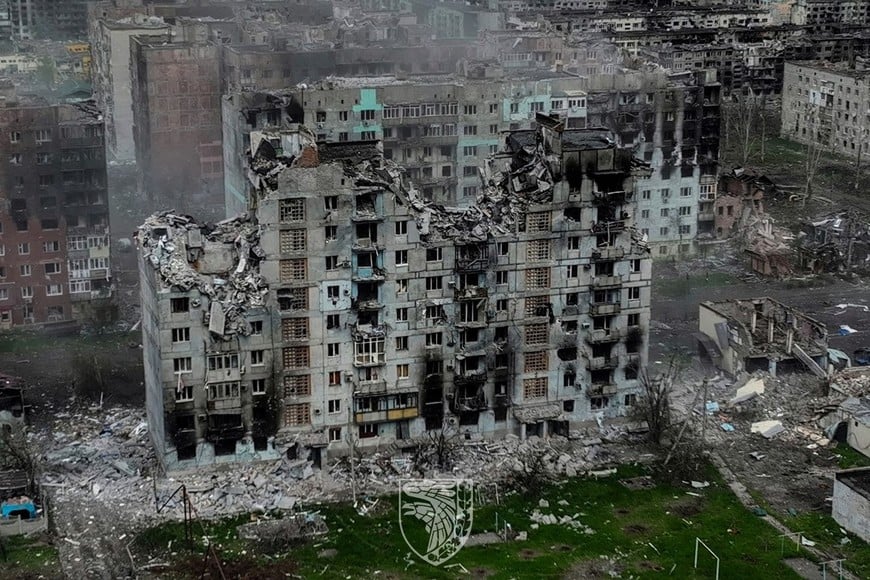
<point>220,261</point>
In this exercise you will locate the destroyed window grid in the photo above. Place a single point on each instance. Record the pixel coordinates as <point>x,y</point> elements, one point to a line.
<point>535,388</point>
<point>537,278</point>
<point>293,299</point>
<point>536,361</point>
<point>293,241</point>
<point>537,334</point>
<point>536,305</point>
<point>291,210</point>
<point>296,357</point>
<point>297,414</point>
<point>293,270</point>
<point>297,386</point>
<point>537,222</point>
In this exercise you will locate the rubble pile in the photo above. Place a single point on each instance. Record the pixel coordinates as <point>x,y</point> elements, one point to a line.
<point>221,261</point>
<point>571,521</point>
<point>525,180</point>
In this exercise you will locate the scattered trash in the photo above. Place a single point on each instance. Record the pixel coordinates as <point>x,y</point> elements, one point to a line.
<point>712,407</point>
<point>845,330</point>
<point>700,484</point>
<point>752,388</point>
<point>727,427</point>
<point>757,456</point>
<point>767,429</point>
<point>807,542</point>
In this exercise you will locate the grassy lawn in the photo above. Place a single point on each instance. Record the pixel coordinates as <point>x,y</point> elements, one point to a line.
<point>823,530</point>
<point>850,458</point>
<point>650,533</point>
<point>29,558</point>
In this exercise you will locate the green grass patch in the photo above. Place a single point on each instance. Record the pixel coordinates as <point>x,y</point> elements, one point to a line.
<point>849,458</point>
<point>676,287</point>
<point>29,557</point>
<point>828,536</point>
<point>650,532</point>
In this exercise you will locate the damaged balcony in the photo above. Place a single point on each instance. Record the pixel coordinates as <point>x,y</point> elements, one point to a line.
<point>368,265</point>
<point>607,281</point>
<point>395,406</point>
<point>606,251</point>
<point>469,377</point>
<point>603,308</point>
<point>472,258</point>
<point>368,296</point>
<point>369,351</point>
<point>368,207</point>
<point>603,362</point>
<point>468,398</point>
<point>602,335</point>
<point>611,198</point>
<point>470,293</point>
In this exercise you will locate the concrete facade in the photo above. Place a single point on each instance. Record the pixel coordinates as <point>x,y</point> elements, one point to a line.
<point>851,503</point>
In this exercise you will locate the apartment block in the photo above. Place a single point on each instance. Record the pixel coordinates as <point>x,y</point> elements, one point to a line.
<point>113,91</point>
<point>827,103</point>
<point>177,125</point>
<point>352,308</point>
<point>442,129</point>
<point>54,224</point>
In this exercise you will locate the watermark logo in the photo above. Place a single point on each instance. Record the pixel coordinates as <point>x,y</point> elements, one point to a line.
<point>444,508</point>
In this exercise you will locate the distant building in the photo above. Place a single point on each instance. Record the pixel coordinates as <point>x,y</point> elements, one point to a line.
<point>113,91</point>
<point>55,19</point>
<point>350,307</point>
<point>827,103</point>
<point>177,124</point>
<point>54,237</point>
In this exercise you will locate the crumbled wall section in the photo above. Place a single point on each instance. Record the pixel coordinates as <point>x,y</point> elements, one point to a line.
<point>221,263</point>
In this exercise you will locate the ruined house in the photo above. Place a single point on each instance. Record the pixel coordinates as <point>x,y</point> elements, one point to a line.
<point>741,198</point>
<point>835,242</point>
<point>358,310</point>
<point>851,501</point>
<point>761,334</point>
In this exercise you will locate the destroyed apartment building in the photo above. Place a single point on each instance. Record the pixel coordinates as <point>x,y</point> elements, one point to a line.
<point>349,308</point>
<point>761,334</point>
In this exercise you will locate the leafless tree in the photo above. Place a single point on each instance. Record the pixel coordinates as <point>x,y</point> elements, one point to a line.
<point>438,449</point>
<point>16,453</point>
<point>531,475</point>
<point>741,116</point>
<point>654,405</point>
<point>813,149</point>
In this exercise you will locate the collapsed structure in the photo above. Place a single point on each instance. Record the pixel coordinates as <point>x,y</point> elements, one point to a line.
<point>387,315</point>
<point>835,242</point>
<point>761,334</point>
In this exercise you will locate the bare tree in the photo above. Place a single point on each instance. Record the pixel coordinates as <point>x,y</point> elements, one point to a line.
<point>531,475</point>
<point>437,449</point>
<point>814,148</point>
<point>15,453</point>
<point>654,406</point>
<point>741,116</point>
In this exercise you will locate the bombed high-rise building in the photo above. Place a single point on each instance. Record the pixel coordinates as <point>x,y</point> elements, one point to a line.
<point>348,307</point>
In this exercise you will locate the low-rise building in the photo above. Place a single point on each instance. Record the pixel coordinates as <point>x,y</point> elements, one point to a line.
<point>851,502</point>
<point>761,334</point>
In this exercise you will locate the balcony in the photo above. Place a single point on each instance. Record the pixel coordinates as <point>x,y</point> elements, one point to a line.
<point>611,226</point>
<point>603,335</point>
<point>231,404</point>
<point>365,245</point>
<point>610,197</point>
<point>706,216</point>
<point>470,293</point>
<point>472,264</point>
<point>368,274</point>
<point>606,281</point>
<point>603,362</point>
<point>607,253</point>
<point>604,308</point>
<point>365,304</point>
<point>386,416</point>
<point>632,358</point>
<point>469,377</point>
<point>601,389</point>
<point>464,404</point>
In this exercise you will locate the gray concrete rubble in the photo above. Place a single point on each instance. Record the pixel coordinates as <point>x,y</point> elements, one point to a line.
<point>219,260</point>
<point>103,460</point>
